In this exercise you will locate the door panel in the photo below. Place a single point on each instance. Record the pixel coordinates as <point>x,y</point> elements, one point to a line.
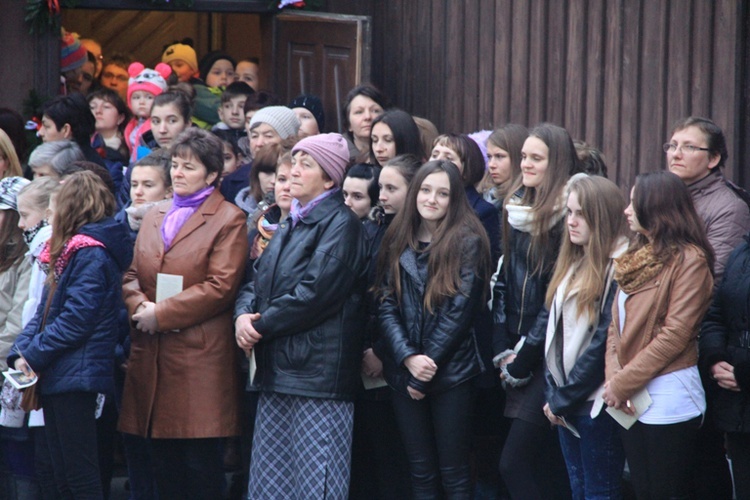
<point>321,54</point>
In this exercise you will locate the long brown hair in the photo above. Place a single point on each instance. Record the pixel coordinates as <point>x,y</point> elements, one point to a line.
<point>444,262</point>
<point>12,246</point>
<point>562,163</point>
<point>83,198</point>
<point>602,205</point>
<point>664,208</point>
<point>510,138</point>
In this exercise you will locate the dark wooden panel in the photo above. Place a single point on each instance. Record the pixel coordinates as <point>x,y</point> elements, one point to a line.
<point>611,141</point>
<point>454,54</point>
<point>520,68</point>
<point>556,43</point>
<point>724,88</point>
<point>652,92</point>
<point>483,118</point>
<point>596,23</point>
<point>576,76</point>
<point>503,67</point>
<point>471,64</point>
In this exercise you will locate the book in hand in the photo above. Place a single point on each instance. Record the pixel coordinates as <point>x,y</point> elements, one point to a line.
<point>19,379</point>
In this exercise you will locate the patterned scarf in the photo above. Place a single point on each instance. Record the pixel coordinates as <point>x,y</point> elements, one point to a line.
<point>71,247</point>
<point>30,234</point>
<point>634,269</point>
<point>298,212</point>
<point>180,211</point>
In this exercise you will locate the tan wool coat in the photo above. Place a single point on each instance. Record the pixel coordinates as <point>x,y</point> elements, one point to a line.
<point>182,382</point>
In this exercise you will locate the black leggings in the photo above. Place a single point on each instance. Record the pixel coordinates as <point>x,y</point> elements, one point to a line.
<point>436,432</point>
<point>532,464</point>
<point>660,458</point>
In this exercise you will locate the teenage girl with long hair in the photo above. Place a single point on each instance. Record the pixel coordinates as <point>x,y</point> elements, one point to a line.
<point>665,284</point>
<point>70,342</point>
<point>579,304</point>
<point>531,463</point>
<point>433,272</point>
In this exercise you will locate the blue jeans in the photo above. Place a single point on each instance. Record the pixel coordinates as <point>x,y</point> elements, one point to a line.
<point>596,460</point>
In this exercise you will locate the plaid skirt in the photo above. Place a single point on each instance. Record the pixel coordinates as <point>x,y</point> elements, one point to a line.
<point>301,448</point>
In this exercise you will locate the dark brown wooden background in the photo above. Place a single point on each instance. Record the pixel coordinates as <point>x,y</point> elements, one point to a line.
<point>616,73</point>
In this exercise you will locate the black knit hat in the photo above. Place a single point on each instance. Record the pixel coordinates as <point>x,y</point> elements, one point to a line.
<point>313,104</point>
<point>204,67</point>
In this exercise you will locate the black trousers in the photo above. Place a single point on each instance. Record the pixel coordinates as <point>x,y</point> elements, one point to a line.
<point>738,445</point>
<point>660,458</point>
<point>532,465</point>
<point>436,432</point>
<point>188,468</point>
<point>70,430</point>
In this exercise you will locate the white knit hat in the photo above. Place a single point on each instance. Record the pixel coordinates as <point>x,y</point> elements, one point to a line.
<point>281,118</point>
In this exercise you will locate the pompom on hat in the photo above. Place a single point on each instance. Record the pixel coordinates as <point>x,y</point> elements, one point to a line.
<point>72,54</point>
<point>282,119</point>
<point>331,151</point>
<point>150,80</point>
<point>180,52</point>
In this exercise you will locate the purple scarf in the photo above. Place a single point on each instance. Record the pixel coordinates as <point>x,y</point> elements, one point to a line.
<point>298,212</point>
<point>180,211</point>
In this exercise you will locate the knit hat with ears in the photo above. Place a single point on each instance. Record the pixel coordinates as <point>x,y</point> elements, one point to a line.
<point>282,119</point>
<point>72,53</point>
<point>331,151</point>
<point>180,52</point>
<point>150,80</point>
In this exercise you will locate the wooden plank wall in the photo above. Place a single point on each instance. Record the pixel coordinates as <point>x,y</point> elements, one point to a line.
<point>616,73</point>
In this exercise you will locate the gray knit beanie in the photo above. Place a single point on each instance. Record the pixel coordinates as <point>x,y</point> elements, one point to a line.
<point>331,151</point>
<point>281,118</point>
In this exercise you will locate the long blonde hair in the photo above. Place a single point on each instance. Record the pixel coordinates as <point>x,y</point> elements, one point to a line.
<point>602,205</point>
<point>8,151</point>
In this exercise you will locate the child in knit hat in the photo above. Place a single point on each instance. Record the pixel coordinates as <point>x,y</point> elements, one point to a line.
<point>183,61</point>
<point>144,85</point>
<point>72,58</point>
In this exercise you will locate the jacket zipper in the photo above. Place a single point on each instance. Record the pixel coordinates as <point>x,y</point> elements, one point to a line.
<point>523,291</point>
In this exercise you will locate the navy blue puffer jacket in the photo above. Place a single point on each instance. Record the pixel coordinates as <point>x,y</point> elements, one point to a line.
<point>76,349</point>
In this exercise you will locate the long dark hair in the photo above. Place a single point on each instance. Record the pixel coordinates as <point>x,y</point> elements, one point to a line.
<point>543,200</point>
<point>405,132</point>
<point>444,262</point>
<point>664,208</point>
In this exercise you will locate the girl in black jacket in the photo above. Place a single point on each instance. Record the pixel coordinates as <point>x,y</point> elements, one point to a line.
<point>531,463</point>
<point>432,276</point>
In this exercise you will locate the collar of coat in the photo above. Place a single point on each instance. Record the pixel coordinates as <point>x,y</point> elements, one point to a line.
<point>208,207</point>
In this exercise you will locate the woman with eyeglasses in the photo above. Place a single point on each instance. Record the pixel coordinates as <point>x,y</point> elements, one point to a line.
<point>695,153</point>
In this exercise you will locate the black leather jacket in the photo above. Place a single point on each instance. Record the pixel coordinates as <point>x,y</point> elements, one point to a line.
<point>309,290</point>
<point>519,293</point>
<point>725,336</point>
<point>446,336</point>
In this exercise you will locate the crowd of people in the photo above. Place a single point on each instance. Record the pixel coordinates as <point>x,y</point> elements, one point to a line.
<point>201,277</point>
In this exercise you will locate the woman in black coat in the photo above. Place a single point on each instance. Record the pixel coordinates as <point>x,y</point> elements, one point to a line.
<point>725,357</point>
<point>303,316</point>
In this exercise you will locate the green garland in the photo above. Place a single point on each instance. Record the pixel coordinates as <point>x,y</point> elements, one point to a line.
<point>43,16</point>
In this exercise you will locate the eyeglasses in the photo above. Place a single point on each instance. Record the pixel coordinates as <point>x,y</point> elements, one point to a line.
<point>685,148</point>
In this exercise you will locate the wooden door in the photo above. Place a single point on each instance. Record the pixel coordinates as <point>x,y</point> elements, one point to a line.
<point>321,54</point>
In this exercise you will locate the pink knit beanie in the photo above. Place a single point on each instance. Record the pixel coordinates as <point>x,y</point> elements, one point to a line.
<point>330,151</point>
<point>150,80</point>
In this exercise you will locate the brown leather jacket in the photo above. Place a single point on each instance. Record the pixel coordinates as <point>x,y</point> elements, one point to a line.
<point>662,322</point>
<point>183,381</point>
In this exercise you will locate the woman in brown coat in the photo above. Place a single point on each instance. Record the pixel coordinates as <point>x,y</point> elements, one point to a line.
<point>181,389</point>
